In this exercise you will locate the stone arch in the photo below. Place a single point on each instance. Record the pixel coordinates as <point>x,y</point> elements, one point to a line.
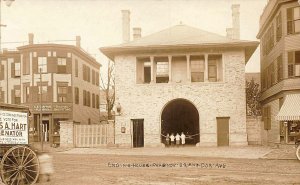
<point>180,115</point>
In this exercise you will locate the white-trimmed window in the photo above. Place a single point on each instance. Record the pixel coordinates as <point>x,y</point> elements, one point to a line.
<point>294,64</point>
<point>44,90</point>
<point>61,65</point>
<point>62,91</point>
<point>42,64</point>
<point>162,70</point>
<point>293,20</point>
<point>17,69</point>
<point>17,96</point>
<point>197,68</point>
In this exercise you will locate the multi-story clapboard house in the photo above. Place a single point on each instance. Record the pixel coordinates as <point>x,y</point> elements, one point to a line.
<point>280,70</point>
<point>181,79</point>
<point>62,79</point>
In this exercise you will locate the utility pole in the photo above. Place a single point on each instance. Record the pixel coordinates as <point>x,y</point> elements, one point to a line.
<point>41,112</point>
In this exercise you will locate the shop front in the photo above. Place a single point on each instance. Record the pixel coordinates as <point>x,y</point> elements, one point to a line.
<point>47,129</point>
<point>289,117</point>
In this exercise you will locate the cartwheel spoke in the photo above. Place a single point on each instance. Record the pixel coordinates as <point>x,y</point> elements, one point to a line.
<point>9,171</point>
<point>18,178</point>
<point>13,154</point>
<point>23,155</point>
<point>29,161</point>
<point>28,175</point>
<point>12,161</point>
<point>25,177</point>
<point>11,166</point>
<point>31,170</point>
<point>10,177</point>
<point>30,165</point>
<point>27,157</point>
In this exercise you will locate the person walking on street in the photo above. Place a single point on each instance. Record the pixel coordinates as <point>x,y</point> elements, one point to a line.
<point>182,139</point>
<point>172,138</point>
<point>177,140</point>
<point>167,140</point>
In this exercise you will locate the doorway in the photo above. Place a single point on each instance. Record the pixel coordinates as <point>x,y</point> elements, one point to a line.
<point>45,130</point>
<point>223,131</point>
<point>138,133</point>
<point>179,116</point>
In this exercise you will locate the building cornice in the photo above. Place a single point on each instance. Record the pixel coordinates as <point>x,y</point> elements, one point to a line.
<point>111,52</point>
<point>264,24</point>
<point>75,49</point>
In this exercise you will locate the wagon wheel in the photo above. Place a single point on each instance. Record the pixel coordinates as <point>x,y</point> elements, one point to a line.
<point>298,152</point>
<point>19,166</point>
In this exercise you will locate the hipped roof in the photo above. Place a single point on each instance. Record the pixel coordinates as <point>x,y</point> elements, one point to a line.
<point>180,37</point>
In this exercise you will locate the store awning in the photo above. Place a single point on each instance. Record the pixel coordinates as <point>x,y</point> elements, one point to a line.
<point>290,110</point>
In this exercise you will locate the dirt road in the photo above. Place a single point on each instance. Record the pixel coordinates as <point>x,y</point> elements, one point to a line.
<point>164,170</point>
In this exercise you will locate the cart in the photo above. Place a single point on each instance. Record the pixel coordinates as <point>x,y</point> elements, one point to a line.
<point>297,146</point>
<point>19,163</point>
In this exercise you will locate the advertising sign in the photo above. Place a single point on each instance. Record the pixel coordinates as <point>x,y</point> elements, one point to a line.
<point>13,127</point>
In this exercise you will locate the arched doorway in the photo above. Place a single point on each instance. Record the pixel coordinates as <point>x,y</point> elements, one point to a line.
<point>178,116</point>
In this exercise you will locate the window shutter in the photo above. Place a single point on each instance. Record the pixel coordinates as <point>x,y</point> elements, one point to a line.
<point>76,68</point>
<point>69,94</point>
<point>2,96</point>
<point>12,70</point>
<point>35,69</point>
<point>265,116</point>
<point>51,65</point>
<point>84,97</point>
<point>34,94</point>
<point>49,93</point>
<point>13,96</point>
<point>69,66</point>
<point>269,118</point>
<point>83,72</point>
<point>2,72</point>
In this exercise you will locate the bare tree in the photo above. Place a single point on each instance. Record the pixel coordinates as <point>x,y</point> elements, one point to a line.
<point>108,86</point>
<point>252,98</point>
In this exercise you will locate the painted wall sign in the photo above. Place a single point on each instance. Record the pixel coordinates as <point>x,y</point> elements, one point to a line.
<point>13,127</point>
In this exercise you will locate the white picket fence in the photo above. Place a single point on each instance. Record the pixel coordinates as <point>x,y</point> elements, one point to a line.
<point>93,135</point>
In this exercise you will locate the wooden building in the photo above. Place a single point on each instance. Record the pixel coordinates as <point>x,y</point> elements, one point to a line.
<point>280,69</point>
<point>59,81</point>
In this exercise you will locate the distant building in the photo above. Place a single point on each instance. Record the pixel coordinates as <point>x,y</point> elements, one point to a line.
<point>181,79</point>
<point>280,69</point>
<point>69,89</point>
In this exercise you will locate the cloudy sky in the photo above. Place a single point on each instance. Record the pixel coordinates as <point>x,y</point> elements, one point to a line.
<point>98,22</point>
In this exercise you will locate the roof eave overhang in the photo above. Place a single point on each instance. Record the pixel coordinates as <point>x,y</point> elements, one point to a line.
<point>111,52</point>
<point>64,46</point>
<point>270,16</point>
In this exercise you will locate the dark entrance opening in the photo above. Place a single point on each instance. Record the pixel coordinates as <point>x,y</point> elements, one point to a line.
<point>180,116</point>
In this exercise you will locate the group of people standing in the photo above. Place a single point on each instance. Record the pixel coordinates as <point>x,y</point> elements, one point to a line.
<point>171,140</point>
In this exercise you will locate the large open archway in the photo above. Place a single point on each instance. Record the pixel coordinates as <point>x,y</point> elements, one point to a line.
<point>178,116</point>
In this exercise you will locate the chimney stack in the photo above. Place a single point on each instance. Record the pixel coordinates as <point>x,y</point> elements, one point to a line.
<point>126,25</point>
<point>30,38</point>
<point>137,33</point>
<point>78,39</point>
<point>234,32</point>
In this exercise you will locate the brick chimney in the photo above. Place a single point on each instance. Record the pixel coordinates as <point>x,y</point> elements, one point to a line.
<point>137,33</point>
<point>126,25</point>
<point>30,38</point>
<point>234,32</point>
<point>78,39</point>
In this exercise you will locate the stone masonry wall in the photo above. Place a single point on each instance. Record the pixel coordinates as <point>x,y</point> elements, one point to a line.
<point>212,99</point>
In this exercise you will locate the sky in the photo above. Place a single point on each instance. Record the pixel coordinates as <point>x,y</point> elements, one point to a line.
<point>99,22</point>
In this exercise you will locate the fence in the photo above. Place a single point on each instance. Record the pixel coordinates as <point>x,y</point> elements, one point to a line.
<point>93,135</point>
